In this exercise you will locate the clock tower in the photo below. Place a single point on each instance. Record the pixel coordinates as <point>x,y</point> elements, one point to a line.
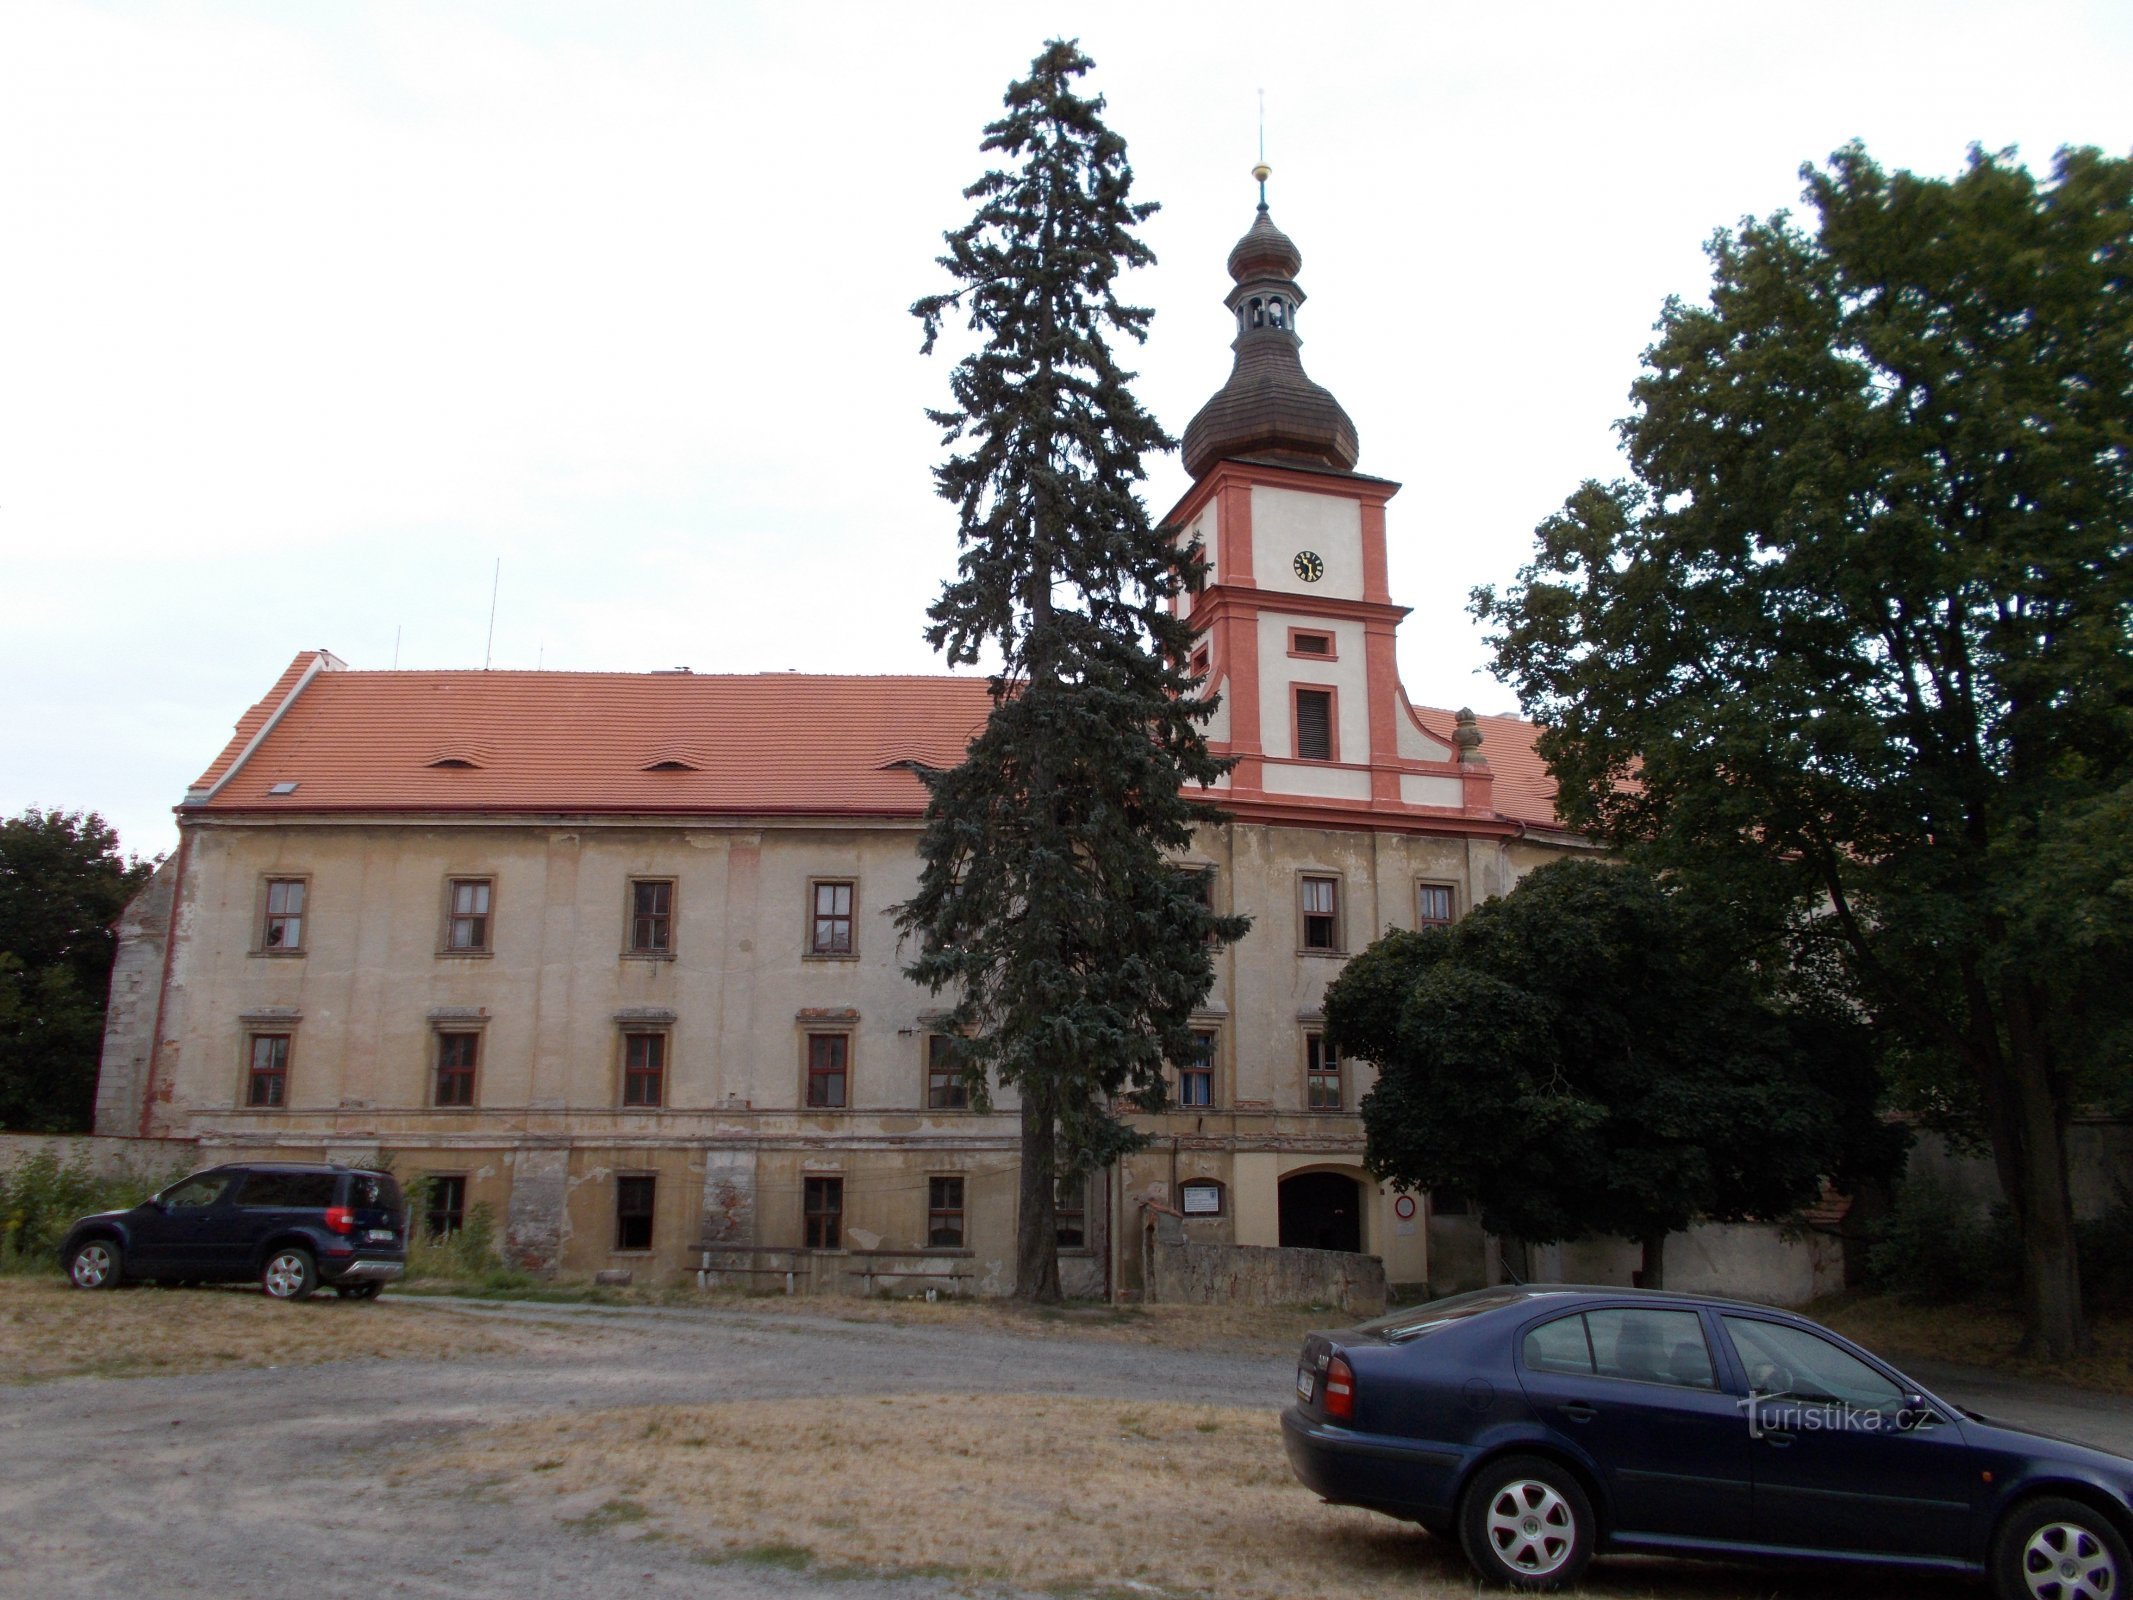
<point>1297,627</point>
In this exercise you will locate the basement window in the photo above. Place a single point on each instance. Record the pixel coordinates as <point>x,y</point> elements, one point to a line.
<point>634,1199</point>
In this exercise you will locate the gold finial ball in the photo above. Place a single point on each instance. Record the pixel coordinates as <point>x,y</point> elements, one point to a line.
<point>1262,172</point>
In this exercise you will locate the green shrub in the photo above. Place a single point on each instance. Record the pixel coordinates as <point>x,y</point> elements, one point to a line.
<point>465,1256</point>
<point>42,1195</point>
<point>1936,1247</point>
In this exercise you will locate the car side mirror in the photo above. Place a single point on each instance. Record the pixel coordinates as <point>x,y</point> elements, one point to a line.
<point>1915,1414</point>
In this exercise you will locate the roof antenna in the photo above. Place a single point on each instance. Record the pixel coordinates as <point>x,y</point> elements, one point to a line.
<point>396,645</point>
<point>496,582</point>
<point>1262,172</point>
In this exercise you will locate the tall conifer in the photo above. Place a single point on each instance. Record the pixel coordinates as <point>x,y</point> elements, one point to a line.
<point>1046,903</point>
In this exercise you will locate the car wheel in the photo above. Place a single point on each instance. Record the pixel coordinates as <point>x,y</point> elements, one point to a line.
<point>1526,1523</point>
<point>95,1264</point>
<point>359,1291</point>
<point>290,1274</point>
<point>2059,1550</point>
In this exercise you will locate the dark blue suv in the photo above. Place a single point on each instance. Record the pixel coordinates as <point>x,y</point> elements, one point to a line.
<point>292,1226</point>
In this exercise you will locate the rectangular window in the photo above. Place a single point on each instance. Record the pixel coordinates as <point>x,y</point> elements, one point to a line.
<point>1433,905</point>
<point>831,932</point>
<point>1322,1074</point>
<point>827,1070</point>
<point>644,1069</point>
<point>457,1056</point>
<point>1069,1213</point>
<point>267,1080</point>
<point>1198,662</point>
<point>634,1200</point>
<point>945,1088</point>
<point>1196,1074</point>
<point>651,916</point>
<point>467,921</point>
<point>825,1213</point>
<point>1314,724</point>
<point>1312,644</point>
<point>1321,913</point>
<point>284,931</point>
<point>444,1208</point>
<point>286,1191</point>
<point>944,1213</point>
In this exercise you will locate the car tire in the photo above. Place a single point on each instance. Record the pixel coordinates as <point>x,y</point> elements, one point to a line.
<point>96,1264</point>
<point>359,1291</point>
<point>2059,1550</point>
<point>1526,1523</point>
<point>289,1274</point>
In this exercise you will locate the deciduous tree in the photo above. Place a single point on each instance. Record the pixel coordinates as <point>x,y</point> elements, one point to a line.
<point>1852,641</point>
<point>1046,905</point>
<point>62,883</point>
<point>1594,1055</point>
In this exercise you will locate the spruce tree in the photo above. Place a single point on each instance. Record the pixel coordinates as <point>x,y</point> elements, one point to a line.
<point>1047,902</point>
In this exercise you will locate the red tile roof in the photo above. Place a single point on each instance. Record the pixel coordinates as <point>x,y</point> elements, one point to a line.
<point>772,743</point>
<point>1524,791</point>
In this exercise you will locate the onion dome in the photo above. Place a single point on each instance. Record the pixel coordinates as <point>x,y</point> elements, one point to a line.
<point>1268,407</point>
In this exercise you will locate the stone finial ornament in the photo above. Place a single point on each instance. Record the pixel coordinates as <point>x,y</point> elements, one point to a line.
<point>1466,736</point>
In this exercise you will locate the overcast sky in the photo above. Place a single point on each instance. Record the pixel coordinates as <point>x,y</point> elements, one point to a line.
<point>309,313</point>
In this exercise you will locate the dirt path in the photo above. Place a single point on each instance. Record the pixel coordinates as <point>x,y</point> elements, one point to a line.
<point>267,1482</point>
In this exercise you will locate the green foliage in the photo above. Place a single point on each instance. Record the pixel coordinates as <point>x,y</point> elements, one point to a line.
<point>466,1256</point>
<point>1858,630</point>
<point>62,883</point>
<point>1937,1248</point>
<point>1591,1055</point>
<point>43,1194</point>
<point>1045,902</point>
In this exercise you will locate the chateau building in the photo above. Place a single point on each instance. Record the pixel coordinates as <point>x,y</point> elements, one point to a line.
<point>614,955</point>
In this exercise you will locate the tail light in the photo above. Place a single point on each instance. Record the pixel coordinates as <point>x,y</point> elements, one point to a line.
<point>340,1219</point>
<point>1339,1396</point>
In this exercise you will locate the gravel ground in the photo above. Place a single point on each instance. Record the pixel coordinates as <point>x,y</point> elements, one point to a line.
<point>271,1482</point>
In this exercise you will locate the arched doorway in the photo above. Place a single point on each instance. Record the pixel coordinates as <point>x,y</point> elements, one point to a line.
<point>1321,1211</point>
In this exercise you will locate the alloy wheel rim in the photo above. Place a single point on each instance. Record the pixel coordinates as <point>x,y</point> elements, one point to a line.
<point>284,1273</point>
<point>2065,1561</point>
<point>92,1265</point>
<point>1531,1527</point>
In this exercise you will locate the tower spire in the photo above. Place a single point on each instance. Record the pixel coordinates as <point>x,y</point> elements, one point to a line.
<point>1268,407</point>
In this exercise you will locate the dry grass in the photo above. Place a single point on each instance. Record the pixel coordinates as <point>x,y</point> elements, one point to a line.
<point>1977,1336</point>
<point>49,1330</point>
<point>1066,1496</point>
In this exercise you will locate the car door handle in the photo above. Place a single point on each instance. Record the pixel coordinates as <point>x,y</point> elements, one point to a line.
<point>1579,1411</point>
<point>1779,1440</point>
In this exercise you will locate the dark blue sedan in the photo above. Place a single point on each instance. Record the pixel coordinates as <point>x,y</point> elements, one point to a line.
<point>1545,1424</point>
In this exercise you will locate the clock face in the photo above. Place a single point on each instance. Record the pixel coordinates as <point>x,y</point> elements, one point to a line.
<point>1308,566</point>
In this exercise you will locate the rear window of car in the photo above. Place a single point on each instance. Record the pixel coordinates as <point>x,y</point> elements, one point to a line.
<point>305,1191</point>
<point>1642,1344</point>
<point>374,1191</point>
<point>1398,1326</point>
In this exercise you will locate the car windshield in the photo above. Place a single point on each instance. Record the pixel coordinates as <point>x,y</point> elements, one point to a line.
<point>1396,1327</point>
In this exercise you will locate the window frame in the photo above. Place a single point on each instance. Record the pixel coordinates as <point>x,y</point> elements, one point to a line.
<point>1450,891</point>
<point>471,1072</point>
<point>1203,1068</point>
<point>811,949</point>
<point>830,1185</point>
<point>1078,1211</point>
<point>1332,693</point>
<point>263,924</point>
<point>278,1075</point>
<point>1298,653</point>
<point>809,1072</point>
<point>659,1043</point>
<point>955,1087</point>
<point>1318,1052</point>
<point>1304,915</point>
<point>452,917</point>
<point>432,1210</point>
<point>626,1184</point>
<point>632,917</point>
<point>941,1187</point>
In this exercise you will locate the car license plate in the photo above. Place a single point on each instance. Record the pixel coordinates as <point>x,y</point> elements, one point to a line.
<point>380,1236</point>
<point>1304,1380</point>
